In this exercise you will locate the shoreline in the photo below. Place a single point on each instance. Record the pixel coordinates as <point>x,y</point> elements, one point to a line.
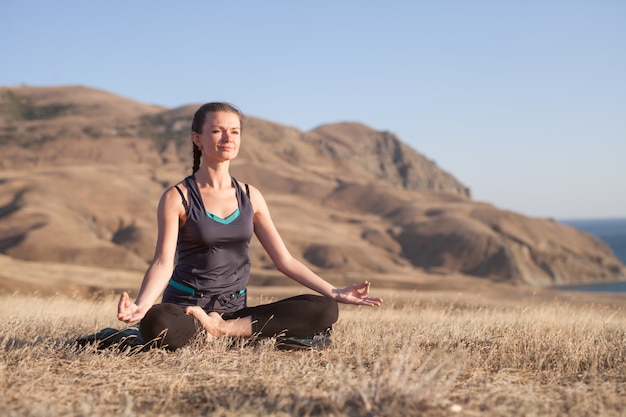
<point>611,287</point>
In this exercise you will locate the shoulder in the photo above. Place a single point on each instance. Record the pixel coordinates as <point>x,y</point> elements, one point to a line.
<point>175,198</point>
<point>178,190</point>
<point>254,194</point>
<point>249,189</point>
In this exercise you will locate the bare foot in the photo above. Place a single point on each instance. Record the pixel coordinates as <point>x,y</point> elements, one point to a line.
<point>212,322</point>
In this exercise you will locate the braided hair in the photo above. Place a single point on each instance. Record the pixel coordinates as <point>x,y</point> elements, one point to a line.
<point>198,121</point>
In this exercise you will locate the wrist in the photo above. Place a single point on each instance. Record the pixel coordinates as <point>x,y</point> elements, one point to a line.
<point>141,306</point>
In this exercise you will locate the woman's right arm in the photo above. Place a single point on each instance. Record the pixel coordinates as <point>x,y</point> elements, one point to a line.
<point>169,214</point>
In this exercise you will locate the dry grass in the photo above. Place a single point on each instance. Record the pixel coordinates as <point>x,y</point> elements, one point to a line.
<point>427,354</point>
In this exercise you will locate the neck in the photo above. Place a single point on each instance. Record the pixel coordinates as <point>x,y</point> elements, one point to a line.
<point>214,177</point>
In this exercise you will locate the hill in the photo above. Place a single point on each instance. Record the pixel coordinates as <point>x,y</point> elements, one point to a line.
<point>82,170</point>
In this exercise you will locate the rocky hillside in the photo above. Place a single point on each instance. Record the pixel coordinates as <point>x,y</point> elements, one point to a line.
<point>81,171</point>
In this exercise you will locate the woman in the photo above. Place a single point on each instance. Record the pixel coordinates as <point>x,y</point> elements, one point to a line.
<point>206,222</point>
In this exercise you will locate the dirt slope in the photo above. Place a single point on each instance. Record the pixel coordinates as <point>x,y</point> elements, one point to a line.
<point>81,172</point>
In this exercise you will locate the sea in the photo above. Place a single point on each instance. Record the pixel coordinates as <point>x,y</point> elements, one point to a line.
<point>613,233</point>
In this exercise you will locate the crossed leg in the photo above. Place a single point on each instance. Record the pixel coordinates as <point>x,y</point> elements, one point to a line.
<point>216,326</point>
<point>296,316</point>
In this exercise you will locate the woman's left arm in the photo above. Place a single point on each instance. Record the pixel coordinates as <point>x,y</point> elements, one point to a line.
<point>274,245</point>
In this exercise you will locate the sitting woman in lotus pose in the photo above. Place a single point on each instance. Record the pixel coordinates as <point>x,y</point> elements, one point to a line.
<point>206,222</point>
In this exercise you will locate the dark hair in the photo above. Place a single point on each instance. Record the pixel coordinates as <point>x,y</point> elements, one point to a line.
<point>198,121</point>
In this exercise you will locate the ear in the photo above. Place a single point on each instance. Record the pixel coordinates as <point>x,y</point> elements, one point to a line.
<point>195,138</point>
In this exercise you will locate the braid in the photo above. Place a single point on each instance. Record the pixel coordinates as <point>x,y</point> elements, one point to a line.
<point>197,156</point>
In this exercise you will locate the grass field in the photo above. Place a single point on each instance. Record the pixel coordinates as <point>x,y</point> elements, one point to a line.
<point>429,353</point>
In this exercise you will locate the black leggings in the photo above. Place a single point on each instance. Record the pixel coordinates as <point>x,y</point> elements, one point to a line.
<point>297,316</point>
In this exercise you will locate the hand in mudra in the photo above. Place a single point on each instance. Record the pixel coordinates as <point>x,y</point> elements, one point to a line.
<point>357,294</point>
<point>127,311</point>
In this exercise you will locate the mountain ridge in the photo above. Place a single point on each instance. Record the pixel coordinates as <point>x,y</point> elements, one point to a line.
<point>82,171</point>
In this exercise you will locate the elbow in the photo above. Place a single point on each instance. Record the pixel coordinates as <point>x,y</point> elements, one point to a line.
<point>281,268</point>
<point>284,266</point>
<point>160,264</point>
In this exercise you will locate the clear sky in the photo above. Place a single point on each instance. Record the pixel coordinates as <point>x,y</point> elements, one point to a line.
<point>522,101</point>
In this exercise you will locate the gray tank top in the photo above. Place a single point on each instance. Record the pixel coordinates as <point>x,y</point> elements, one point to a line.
<point>213,254</point>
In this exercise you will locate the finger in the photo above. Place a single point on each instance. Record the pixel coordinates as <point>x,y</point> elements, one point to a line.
<point>123,301</point>
<point>358,289</point>
<point>361,293</point>
<point>123,316</point>
<point>374,302</point>
<point>135,317</point>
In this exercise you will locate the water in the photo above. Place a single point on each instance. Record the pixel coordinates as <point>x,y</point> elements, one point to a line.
<point>613,233</point>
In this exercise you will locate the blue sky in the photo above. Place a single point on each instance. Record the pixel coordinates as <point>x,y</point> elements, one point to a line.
<point>523,101</point>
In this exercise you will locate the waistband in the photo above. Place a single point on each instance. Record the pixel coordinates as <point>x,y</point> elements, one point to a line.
<point>222,298</point>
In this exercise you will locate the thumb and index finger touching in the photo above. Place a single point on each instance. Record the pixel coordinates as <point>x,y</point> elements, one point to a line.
<point>361,292</point>
<point>125,310</point>
<point>124,303</point>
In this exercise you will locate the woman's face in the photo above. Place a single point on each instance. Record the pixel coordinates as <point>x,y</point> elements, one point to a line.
<point>220,137</point>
